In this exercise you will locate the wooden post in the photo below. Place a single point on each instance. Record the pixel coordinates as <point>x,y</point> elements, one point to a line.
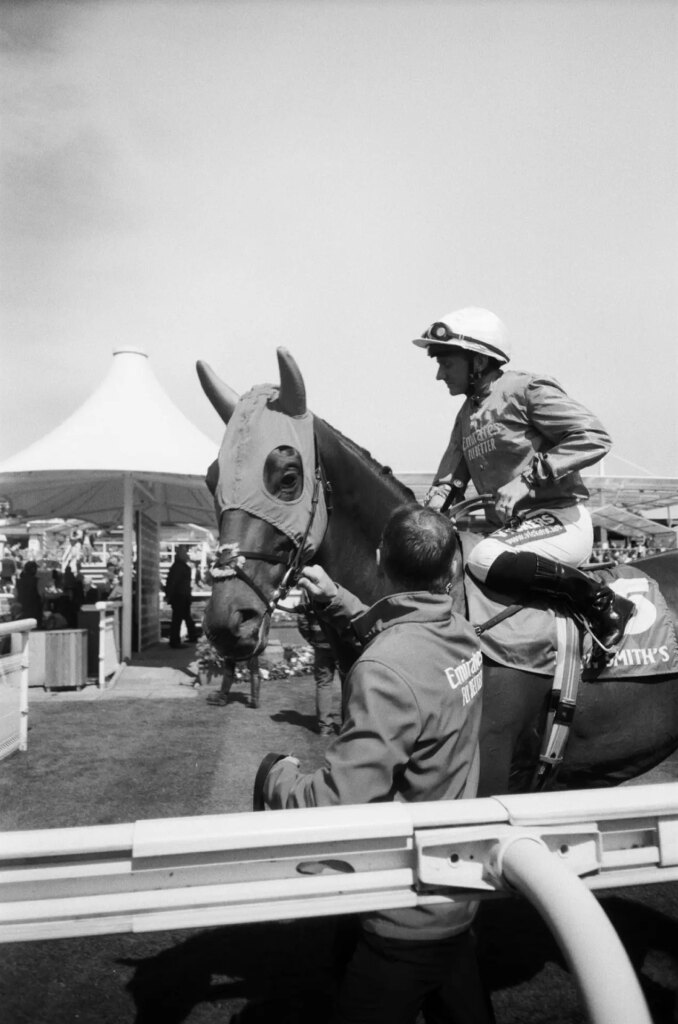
<point>23,691</point>
<point>127,563</point>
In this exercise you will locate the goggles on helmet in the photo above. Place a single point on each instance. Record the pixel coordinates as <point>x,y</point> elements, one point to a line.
<point>440,334</point>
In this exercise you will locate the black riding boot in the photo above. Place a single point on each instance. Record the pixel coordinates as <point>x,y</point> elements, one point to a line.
<point>526,574</point>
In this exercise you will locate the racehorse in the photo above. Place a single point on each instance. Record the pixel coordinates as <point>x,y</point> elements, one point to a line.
<point>621,728</point>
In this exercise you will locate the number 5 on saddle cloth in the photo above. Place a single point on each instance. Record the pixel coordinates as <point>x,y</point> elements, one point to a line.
<point>527,639</point>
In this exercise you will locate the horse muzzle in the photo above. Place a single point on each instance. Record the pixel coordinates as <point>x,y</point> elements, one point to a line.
<point>235,622</point>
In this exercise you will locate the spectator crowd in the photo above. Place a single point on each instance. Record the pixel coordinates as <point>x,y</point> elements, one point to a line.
<point>621,554</point>
<point>52,588</point>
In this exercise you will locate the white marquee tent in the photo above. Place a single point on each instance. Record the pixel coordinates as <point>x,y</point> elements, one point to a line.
<point>127,449</point>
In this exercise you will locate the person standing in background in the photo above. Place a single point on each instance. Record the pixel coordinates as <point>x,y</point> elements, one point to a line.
<point>28,595</point>
<point>178,594</point>
<point>324,665</point>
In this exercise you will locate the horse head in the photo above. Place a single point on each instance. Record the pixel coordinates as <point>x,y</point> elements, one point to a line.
<point>269,501</point>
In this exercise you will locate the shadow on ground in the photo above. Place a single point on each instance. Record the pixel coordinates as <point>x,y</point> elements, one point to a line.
<point>291,717</point>
<point>516,947</point>
<point>285,973</point>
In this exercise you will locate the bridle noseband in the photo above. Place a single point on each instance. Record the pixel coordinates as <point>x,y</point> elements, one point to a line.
<point>231,560</point>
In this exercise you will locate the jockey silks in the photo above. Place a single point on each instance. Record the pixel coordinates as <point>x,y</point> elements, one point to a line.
<point>525,424</point>
<point>254,430</point>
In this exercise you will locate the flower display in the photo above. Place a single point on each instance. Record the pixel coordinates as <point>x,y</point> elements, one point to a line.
<point>297,660</point>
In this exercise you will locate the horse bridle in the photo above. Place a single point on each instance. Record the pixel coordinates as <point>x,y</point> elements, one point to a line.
<point>231,560</point>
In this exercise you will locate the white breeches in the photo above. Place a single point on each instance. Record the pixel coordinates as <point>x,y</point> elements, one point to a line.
<point>563,534</point>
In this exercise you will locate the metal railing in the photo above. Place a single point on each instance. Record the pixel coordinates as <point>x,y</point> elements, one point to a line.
<point>236,868</point>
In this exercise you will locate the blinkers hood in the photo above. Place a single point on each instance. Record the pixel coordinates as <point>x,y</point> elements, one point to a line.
<point>256,427</point>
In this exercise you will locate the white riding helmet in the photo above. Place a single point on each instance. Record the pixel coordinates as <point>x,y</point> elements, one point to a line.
<point>473,329</point>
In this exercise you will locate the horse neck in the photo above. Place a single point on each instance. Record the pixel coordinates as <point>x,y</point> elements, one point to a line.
<point>364,494</point>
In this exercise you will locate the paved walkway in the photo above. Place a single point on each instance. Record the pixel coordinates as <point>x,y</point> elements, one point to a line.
<point>158,673</point>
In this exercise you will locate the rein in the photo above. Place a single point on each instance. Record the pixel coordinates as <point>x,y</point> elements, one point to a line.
<point>231,560</point>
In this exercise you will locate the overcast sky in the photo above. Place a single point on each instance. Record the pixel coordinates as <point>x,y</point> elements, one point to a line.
<point>209,180</point>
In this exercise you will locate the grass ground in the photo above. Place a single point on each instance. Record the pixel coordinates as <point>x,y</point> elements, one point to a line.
<point>116,761</point>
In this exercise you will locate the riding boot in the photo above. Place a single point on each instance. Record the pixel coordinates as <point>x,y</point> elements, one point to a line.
<point>255,685</point>
<point>526,574</point>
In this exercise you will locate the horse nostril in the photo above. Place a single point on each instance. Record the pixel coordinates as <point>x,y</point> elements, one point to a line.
<point>248,613</point>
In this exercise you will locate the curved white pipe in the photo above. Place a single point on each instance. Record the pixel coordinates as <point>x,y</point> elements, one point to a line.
<point>605,978</point>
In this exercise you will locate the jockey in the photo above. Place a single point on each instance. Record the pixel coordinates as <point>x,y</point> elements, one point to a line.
<point>522,439</point>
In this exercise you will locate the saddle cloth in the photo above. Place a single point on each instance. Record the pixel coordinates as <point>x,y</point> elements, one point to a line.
<point>527,640</point>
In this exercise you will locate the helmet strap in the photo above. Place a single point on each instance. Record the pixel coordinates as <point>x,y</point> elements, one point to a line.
<point>478,379</point>
<point>475,378</point>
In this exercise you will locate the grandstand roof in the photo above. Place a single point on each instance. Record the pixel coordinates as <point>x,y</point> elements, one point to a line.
<point>639,494</point>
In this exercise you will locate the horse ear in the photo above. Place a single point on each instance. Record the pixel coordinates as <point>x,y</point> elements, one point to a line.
<point>292,397</point>
<point>223,398</point>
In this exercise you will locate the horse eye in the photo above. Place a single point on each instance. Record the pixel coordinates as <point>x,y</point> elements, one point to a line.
<point>283,474</point>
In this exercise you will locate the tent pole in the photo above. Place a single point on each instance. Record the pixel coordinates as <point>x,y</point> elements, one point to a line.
<point>127,565</point>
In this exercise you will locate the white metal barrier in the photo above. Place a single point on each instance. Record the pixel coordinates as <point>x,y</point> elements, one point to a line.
<point>14,689</point>
<point>236,868</point>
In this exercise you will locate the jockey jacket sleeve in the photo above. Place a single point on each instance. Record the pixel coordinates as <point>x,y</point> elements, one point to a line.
<point>577,438</point>
<point>453,466</point>
<point>363,764</point>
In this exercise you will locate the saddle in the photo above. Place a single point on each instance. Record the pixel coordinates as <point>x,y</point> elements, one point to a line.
<point>528,637</point>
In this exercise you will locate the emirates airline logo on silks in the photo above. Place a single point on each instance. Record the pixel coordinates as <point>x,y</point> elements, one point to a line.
<point>468,675</point>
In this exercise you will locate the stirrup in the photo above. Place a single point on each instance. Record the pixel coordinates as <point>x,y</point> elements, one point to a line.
<point>624,610</point>
<point>586,626</point>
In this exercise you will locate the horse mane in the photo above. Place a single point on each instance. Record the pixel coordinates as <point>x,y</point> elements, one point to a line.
<point>398,490</point>
<point>364,495</point>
